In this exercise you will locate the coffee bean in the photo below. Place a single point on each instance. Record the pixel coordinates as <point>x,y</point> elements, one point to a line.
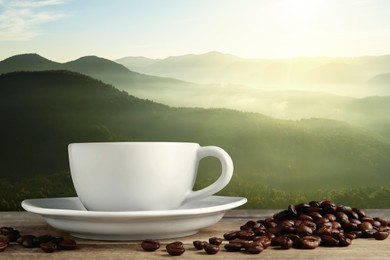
<point>57,240</point>
<point>210,248</point>
<point>281,215</point>
<point>233,247</point>
<point>350,226</point>
<point>304,230</point>
<point>384,222</point>
<point>4,239</point>
<point>3,245</point>
<point>13,235</point>
<point>337,225</point>
<point>28,241</point>
<point>322,221</point>
<point>344,241</point>
<point>285,243</point>
<point>330,216</point>
<point>375,223</point>
<point>310,242</point>
<point>325,230</point>
<point>342,217</point>
<point>198,244</point>
<point>6,230</point>
<point>264,240</point>
<point>48,247</point>
<point>175,248</point>
<point>254,248</point>
<point>302,207</point>
<point>381,235</point>
<point>292,210</point>
<point>292,236</point>
<point>306,217</point>
<point>345,209</point>
<point>360,212</point>
<point>366,225</point>
<point>269,223</point>
<point>240,241</point>
<point>251,223</point>
<point>368,233</point>
<point>150,245</point>
<point>328,206</point>
<point>67,244</point>
<point>246,234</point>
<point>314,204</point>
<point>215,240</point>
<point>230,235</point>
<point>315,215</point>
<point>353,215</point>
<point>366,218</point>
<point>350,235</point>
<point>355,221</point>
<point>260,230</point>
<point>45,238</point>
<point>329,241</point>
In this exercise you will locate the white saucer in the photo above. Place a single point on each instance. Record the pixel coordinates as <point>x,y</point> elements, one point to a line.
<point>68,214</point>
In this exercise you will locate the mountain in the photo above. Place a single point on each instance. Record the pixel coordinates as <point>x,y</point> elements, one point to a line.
<point>42,112</point>
<point>193,68</point>
<point>327,74</point>
<point>27,62</point>
<point>381,79</point>
<point>136,62</point>
<point>96,67</point>
<point>283,104</point>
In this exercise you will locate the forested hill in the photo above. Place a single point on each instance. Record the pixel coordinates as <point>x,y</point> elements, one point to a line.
<point>103,69</point>
<point>42,112</point>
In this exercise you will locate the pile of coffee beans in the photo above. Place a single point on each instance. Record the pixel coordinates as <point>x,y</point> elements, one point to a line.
<point>47,243</point>
<point>301,226</point>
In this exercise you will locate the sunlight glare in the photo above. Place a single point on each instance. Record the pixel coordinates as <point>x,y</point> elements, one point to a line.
<point>300,11</point>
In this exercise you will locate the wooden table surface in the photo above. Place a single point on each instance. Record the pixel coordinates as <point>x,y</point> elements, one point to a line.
<point>29,223</point>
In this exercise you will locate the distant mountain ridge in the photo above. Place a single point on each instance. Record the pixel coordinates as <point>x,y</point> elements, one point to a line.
<point>136,62</point>
<point>103,69</point>
<point>381,80</point>
<point>216,67</point>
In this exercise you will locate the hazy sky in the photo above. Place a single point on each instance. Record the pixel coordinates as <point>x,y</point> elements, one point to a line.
<point>64,30</point>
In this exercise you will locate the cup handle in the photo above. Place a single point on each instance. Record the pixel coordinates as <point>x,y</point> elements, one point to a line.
<point>224,178</point>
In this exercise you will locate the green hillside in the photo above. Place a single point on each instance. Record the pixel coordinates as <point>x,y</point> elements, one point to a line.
<point>283,104</point>
<point>276,161</point>
<point>93,66</point>
<point>27,62</point>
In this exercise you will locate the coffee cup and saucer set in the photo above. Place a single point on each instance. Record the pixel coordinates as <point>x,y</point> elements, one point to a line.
<point>138,190</point>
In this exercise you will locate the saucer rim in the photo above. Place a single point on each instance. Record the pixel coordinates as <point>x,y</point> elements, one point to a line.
<point>232,202</point>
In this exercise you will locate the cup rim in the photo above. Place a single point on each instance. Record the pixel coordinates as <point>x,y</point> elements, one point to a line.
<point>129,143</point>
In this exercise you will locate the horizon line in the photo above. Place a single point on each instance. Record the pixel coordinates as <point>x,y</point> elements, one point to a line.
<point>205,53</point>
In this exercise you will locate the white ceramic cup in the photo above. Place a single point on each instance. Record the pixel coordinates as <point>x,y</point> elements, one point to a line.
<point>133,176</point>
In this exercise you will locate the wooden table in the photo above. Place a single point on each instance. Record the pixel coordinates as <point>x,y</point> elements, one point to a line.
<point>29,223</point>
